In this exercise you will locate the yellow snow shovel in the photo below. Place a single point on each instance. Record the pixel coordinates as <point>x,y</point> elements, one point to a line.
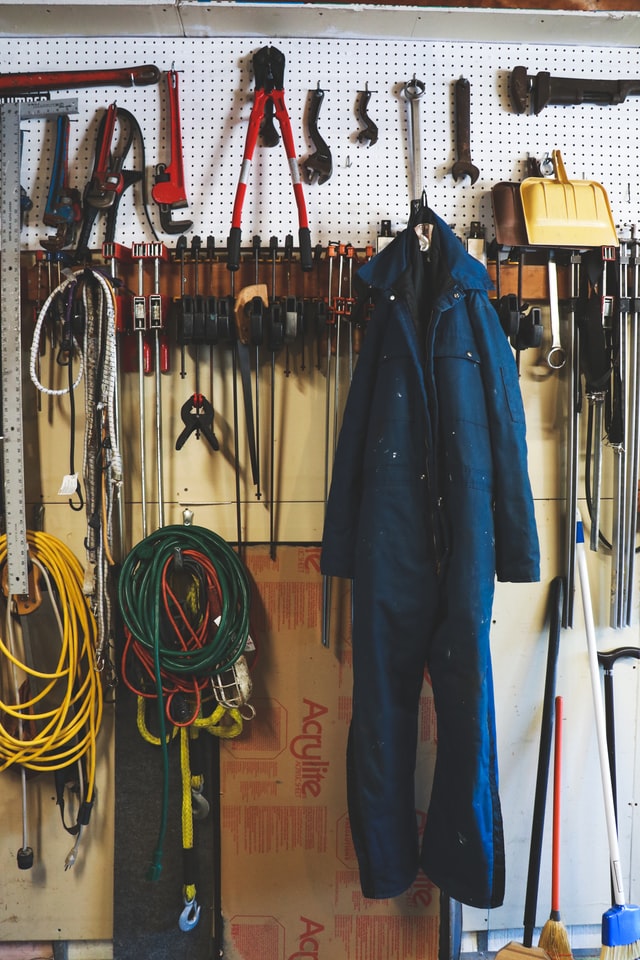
<point>560,212</point>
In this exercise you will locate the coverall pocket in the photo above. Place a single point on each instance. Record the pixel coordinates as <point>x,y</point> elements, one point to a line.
<point>464,441</point>
<point>512,393</point>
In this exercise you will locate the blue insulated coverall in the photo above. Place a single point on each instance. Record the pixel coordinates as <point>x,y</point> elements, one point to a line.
<point>430,500</point>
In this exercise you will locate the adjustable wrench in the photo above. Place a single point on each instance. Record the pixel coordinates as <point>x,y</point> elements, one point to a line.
<point>370,130</point>
<point>169,190</point>
<point>319,163</point>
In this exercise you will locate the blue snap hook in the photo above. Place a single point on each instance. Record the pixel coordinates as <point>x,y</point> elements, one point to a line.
<point>189,916</point>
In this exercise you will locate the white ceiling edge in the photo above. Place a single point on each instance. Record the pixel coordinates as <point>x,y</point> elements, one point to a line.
<point>193,19</point>
<point>417,23</point>
<point>89,18</point>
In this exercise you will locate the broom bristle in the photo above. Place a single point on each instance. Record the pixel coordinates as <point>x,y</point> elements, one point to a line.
<point>621,932</point>
<point>628,951</point>
<point>554,939</point>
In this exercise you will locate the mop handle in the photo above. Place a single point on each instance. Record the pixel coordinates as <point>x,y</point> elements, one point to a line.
<point>594,669</point>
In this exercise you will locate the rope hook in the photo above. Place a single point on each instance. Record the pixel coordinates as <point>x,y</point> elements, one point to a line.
<point>190,915</point>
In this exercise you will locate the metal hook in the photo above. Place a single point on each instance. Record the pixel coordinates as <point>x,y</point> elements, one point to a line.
<point>190,915</point>
<point>199,805</point>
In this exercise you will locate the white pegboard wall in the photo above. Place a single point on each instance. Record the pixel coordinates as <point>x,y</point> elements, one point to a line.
<point>369,183</point>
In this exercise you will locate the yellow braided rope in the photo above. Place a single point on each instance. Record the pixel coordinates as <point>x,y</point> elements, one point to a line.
<point>187,810</point>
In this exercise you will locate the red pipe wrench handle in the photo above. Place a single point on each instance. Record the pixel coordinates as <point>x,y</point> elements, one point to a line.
<point>21,83</point>
<point>106,180</point>
<point>169,187</point>
<point>168,190</point>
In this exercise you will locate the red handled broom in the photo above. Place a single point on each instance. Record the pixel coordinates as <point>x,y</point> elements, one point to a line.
<point>553,936</point>
<point>621,923</point>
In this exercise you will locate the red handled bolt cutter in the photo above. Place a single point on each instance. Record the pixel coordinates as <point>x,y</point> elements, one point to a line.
<point>268,69</point>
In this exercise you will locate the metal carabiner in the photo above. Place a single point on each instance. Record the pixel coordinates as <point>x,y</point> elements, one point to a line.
<point>199,805</point>
<point>190,915</point>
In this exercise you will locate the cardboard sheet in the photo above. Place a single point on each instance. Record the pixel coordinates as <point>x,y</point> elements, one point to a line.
<point>290,879</point>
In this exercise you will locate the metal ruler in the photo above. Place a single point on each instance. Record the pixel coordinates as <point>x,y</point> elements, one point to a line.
<point>11,115</point>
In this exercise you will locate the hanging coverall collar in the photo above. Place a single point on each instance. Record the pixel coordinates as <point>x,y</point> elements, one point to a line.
<point>401,267</point>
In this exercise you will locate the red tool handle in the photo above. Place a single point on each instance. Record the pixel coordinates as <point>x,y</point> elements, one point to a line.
<point>19,83</point>
<point>257,112</point>
<point>102,172</point>
<point>557,779</point>
<point>169,188</point>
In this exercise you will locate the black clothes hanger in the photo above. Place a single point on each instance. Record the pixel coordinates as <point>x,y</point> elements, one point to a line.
<point>420,211</point>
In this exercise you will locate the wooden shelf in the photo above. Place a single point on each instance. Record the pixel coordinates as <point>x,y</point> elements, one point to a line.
<point>214,277</point>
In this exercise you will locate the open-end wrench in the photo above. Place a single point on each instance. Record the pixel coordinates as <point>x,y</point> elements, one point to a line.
<point>463,167</point>
<point>318,164</point>
<point>413,90</point>
<point>556,357</point>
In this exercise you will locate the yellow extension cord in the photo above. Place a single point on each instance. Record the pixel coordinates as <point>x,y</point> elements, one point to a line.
<point>69,730</point>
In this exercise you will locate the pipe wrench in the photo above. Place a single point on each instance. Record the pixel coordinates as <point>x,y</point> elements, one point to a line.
<point>109,179</point>
<point>63,209</point>
<point>169,190</point>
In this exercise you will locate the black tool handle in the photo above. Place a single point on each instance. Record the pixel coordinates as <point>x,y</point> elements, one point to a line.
<point>306,255</point>
<point>233,248</point>
<point>317,99</point>
<point>463,120</point>
<point>607,659</point>
<point>544,757</point>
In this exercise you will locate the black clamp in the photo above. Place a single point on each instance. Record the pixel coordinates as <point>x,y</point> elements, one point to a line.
<point>522,324</point>
<point>197,415</point>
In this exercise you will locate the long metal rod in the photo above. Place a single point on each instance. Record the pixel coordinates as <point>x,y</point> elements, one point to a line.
<point>618,537</point>
<point>336,382</point>
<point>326,580</point>
<point>140,323</point>
<point>571,479</point>
<point>634,428</point>
<point>597,401</point>
<point>156,320</point>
